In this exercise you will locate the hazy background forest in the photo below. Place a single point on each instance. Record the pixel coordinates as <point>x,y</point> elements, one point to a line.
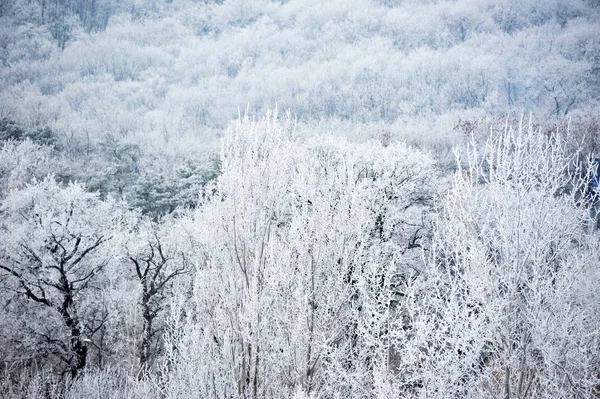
<point>299,198</point>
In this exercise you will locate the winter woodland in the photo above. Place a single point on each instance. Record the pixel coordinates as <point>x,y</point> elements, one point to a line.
<point>299,199</point>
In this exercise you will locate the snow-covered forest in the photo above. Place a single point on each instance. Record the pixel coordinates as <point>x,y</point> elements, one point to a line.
<point>299,199</point>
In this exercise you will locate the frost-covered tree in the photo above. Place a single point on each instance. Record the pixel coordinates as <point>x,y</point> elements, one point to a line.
<point>157,262</point>
<point>22,163</point>
<point>508,304</point>
<point>304,250</point>
<point>55,243</point>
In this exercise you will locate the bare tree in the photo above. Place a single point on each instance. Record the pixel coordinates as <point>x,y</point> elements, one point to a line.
<point>155,269</point>
<point>53,249</point>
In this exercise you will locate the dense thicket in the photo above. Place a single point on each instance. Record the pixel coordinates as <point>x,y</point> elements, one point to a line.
<point>313,268</point>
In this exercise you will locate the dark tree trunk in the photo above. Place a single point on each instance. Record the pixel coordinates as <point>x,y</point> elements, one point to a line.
<point>78,347</point>
<point>145,346</point>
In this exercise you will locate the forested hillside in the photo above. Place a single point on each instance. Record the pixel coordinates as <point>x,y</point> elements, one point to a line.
<point>299,199</point>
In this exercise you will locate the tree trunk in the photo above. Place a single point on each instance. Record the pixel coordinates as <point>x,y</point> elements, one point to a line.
<point>145,345</point>
<point>78,347</point>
